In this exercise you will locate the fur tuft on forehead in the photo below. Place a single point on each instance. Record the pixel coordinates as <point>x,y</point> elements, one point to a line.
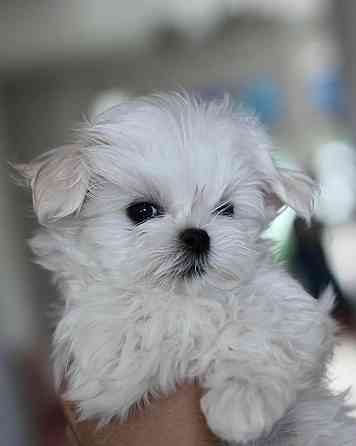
<point>183,137</point>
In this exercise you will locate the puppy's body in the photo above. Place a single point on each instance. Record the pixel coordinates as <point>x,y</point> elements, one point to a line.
<point>152,227</point>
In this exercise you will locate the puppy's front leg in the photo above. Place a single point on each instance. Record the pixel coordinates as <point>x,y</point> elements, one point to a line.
<point>247,391</point>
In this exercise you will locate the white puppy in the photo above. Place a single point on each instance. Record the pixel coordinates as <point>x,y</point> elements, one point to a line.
<point>151,225</point>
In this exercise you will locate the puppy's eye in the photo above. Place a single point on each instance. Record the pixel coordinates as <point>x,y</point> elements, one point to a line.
<point>143,211</point>
<point>226,209</point>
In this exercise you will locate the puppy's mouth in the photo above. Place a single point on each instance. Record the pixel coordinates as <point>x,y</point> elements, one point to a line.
<point>192,267</point>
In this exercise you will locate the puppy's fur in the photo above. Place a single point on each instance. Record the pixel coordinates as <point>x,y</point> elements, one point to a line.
<point>134,322</point>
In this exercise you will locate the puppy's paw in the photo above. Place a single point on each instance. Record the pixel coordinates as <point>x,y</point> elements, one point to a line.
<point>240,413</point>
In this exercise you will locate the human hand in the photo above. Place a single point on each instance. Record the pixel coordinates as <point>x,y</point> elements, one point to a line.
<point>175,420</point>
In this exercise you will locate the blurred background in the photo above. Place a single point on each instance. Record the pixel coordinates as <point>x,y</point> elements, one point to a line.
<point>292,63</point>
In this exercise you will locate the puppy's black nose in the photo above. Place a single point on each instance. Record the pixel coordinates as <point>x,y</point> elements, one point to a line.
<point>195,240</point>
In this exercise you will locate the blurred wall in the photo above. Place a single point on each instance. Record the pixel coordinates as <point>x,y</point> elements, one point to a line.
<point>17,321</point>
<point>240,51</point>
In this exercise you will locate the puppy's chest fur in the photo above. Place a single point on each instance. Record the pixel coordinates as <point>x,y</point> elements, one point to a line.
<point>113,351</point>
<point>184,335</point>
<point>170,338</point>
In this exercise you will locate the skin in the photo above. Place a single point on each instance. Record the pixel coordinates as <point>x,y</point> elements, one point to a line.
<point>174,420</point>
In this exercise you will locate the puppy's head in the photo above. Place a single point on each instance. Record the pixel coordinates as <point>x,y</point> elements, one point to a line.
<point>161,191</point>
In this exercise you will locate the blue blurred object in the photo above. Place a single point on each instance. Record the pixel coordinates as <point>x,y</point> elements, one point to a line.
<point>328,92</point>
<point>263,97</point>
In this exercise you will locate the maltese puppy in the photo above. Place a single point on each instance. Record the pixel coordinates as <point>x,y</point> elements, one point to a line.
<point>152,226</point>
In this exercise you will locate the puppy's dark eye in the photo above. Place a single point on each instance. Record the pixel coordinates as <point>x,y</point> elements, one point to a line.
<point>143,211</point>
<point>226,209</point>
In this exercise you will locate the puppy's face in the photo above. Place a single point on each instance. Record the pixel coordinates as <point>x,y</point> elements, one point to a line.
<point>165,192</point>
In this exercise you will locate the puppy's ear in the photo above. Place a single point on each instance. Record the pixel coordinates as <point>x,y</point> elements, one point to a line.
<point>59,181</point>
<point>290,188</point>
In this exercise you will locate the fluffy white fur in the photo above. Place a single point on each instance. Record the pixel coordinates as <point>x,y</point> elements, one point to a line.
<point>131,325</point>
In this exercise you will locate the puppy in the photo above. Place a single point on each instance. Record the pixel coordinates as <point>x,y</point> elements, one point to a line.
<point>151,224</point>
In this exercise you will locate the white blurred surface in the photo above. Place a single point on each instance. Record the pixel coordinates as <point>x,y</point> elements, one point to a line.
<point>339,242</point>
<point>342,370</point>
<point>335,166</point>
